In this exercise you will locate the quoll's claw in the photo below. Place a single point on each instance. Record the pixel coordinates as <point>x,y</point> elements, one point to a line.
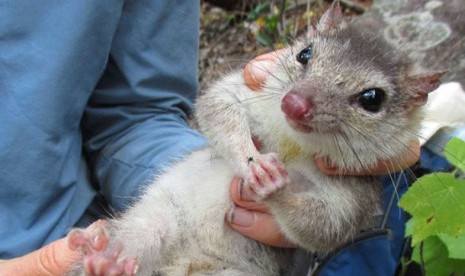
<point>94,237</point>
<point>100,259</point>
<point>267,175</point>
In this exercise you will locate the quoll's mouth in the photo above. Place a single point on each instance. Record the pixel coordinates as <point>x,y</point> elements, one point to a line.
<point>298,126</point>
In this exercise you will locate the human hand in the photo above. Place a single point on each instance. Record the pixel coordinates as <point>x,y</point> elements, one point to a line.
<point>53,259</point>
<point>253,219</point>
<point>408,159</point>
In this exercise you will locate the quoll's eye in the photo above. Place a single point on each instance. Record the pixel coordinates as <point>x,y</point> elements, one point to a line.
<point>371,99</point>
<point>305,55</point>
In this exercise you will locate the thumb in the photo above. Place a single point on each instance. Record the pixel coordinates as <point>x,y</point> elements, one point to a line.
<point>257,225</point>
<point>259,69</point>
<point>53,259</point>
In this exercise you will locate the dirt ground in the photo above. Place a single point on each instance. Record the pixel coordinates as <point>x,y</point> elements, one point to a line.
<point>228,39</point>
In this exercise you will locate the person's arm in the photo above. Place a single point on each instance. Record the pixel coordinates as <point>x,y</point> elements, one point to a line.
<point>135,123</point>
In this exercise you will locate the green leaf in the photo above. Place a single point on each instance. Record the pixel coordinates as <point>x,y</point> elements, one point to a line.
<point>455,245</point>
<point>409,227</point>
<point>254,13</point>
<point>436,262</point>
<point>263,39</point>
<point>455,153</point>
<point>436,203</point>
<point>272,23</point>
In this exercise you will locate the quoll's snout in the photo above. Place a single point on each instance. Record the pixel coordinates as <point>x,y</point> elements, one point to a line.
<point>298,110</point>
<point>297,107</point>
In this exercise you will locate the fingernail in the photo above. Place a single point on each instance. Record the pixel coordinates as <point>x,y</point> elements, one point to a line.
<point>260,69</point>
<point>256,73</point>
<point>242,195</point>
<point>239,189</point>
<point>240,217</point>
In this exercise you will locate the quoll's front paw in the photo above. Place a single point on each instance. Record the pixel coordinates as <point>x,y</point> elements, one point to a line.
<point>99,259</point>
<point>267,175</point>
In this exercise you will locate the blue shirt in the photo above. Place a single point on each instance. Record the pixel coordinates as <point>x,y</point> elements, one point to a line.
<point>93,97</point>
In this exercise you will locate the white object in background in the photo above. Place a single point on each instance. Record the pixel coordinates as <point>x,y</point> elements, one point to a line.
<point>445,108</point>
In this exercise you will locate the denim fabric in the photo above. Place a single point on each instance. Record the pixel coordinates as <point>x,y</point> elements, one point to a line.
<point>93,99</point>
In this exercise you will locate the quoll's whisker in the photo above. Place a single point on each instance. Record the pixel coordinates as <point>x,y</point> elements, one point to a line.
<point>336,138</point>
<point>366,139</point>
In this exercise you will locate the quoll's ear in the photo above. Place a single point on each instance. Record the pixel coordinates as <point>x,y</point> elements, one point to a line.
<point>420,85</point>
<point>331,19</point>
<point>311,32</point>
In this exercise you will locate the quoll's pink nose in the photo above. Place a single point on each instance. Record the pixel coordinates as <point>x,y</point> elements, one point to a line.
<point>296,107</point>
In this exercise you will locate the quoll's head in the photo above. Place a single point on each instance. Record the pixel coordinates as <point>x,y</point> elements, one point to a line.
<point>348,85</point>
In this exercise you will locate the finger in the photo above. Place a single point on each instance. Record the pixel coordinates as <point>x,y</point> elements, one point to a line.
<point>405,161</point>
<point>257,70</point>
<point>257,226</point>
<point>243,199</point>
<point>54,259</point>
